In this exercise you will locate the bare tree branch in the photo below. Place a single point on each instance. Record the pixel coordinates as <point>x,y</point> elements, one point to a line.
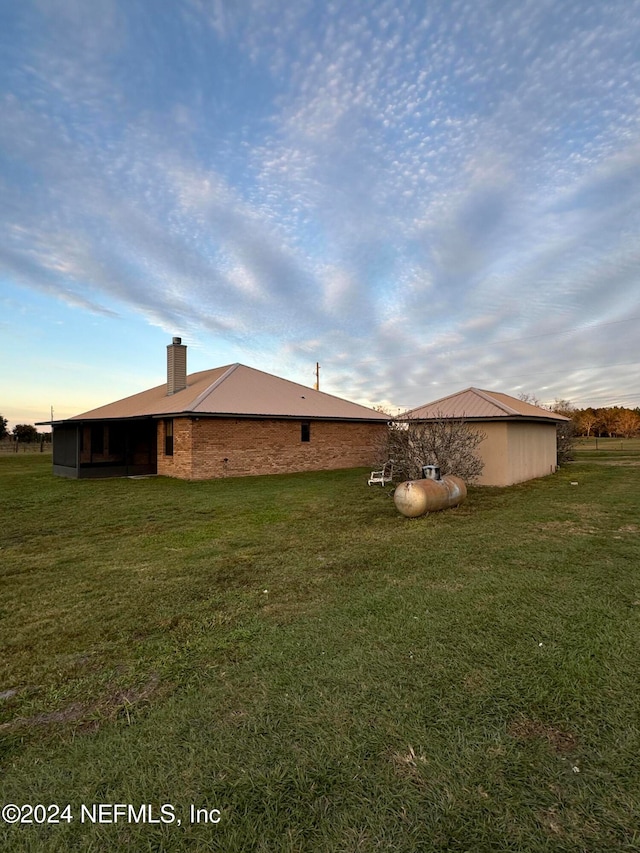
<point>449,443</point>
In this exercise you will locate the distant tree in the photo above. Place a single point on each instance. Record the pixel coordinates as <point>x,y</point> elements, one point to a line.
<point>585,420</point>
<point>4,432</point>
<point>628,423</point>
<point>606,420</point>
<point>531,399</point>
<point>563,407</point>
<point>26,433</point>
<point>450,444</point>
<point>609,420</point>
<point>599,428</point>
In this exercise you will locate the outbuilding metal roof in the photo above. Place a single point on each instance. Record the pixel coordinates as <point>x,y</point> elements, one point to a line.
<point>473,403</point>
<point>235,390</point>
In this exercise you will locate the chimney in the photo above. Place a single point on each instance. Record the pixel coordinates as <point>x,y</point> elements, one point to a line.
<point>176,366</point>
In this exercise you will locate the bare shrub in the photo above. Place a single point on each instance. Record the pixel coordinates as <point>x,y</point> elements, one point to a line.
<point>447,442</point>
<point>566,440</point>
<point>566,433</point>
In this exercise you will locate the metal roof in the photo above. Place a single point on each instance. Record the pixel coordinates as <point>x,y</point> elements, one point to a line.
<point>473,403</point>
<point>235,390</point>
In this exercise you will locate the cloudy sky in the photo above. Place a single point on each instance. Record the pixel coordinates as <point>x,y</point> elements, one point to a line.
<point>420,196</point>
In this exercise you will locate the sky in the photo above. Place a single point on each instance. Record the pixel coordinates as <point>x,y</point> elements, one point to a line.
<point>418,196</point>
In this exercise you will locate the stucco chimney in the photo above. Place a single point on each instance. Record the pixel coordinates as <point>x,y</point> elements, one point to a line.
<point>176,366</point>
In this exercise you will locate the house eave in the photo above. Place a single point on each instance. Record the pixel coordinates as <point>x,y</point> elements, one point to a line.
<point>252,416</point>
<point>81,420</point>
<point>216,415</point>
<point>487,419</point>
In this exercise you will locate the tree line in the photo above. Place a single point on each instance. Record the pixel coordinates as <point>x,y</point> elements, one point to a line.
<point>23,433</point>
<point>605,421</point>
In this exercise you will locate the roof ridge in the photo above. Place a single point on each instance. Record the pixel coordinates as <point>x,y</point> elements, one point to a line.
<point>498,404</point>
<point>211,388</point>
<point>282,378</point>
<point>306,388</point>
<point>439,400</point>
<point>489,398</point>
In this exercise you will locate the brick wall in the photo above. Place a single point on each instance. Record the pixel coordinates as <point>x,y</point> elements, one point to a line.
<point>181,463</point>
<point>224,447</point>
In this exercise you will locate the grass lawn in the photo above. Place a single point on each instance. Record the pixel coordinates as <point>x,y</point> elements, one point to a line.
<point>328,674</point>
<point>607,448</point>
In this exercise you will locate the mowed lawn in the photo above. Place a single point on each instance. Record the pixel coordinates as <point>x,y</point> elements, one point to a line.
<point>595,449</point>
<point>328,675</point>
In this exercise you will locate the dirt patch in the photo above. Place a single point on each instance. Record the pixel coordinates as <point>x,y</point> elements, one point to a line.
<point>570,528</point>
<point>475,681</point>
<point>408,764</point>
<point>8,694</point>
<point>560,741</point>
<point>551,821</point>
<point>283,613</point>
<point>120,703</point>
<point>133,696</point>
<point>584,522</point>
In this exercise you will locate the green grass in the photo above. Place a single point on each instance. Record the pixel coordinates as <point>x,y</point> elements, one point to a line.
<point>330,675</point>
<point>607,448</point>
<point>9,447</point>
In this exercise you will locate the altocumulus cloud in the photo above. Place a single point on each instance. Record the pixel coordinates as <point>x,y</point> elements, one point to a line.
<point>421,199</point>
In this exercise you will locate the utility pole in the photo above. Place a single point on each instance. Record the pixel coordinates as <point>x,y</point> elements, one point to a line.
<point>317,385</point>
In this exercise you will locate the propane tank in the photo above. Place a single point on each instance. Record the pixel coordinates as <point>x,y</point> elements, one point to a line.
<point>416,497</point>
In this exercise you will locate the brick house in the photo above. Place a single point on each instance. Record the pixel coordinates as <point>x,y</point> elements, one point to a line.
<point>226,422</point>
<point>520,439</point>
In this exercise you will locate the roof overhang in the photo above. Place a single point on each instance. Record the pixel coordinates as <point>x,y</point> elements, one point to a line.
<point>498,419</point>
<point>195,416</point>
<point>71,421</point>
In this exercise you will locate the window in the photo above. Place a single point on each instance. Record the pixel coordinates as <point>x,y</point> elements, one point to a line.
<point>168,438</point>
<point>305,431</point>
<point>97,438</point>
